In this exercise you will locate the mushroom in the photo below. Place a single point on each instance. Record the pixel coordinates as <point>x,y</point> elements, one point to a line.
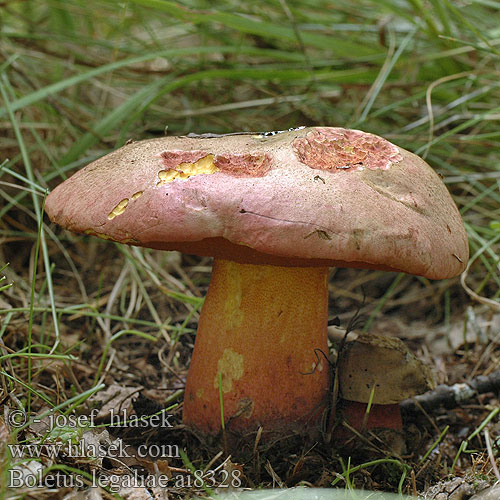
<point>275,210</point>
<point>380,372</point>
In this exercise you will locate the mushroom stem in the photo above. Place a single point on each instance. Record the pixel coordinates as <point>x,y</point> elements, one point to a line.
<point>258,339</point>
<point>380,416</point>
<point>383,420</point>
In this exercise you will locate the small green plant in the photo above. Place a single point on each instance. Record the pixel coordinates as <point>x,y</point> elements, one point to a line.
<point>6,286</point>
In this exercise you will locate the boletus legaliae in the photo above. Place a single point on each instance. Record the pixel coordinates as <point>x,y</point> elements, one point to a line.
<point>275,210</point>
<point>376,373</point>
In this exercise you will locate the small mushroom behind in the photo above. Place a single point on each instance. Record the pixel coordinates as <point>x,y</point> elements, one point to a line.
<point>381,371</point>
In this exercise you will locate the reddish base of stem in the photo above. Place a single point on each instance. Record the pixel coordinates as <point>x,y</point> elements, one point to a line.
<point>385,418</point>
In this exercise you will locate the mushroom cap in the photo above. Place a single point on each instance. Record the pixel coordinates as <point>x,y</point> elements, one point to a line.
<point>313,196</point>
<point>382,364</point>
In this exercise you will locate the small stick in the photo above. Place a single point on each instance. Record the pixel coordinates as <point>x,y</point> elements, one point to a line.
<point>451,396</point>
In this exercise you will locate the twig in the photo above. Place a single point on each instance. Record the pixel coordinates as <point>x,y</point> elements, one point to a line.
<point>451,396</point>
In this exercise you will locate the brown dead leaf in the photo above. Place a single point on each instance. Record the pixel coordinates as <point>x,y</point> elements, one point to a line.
<point>113,401</point>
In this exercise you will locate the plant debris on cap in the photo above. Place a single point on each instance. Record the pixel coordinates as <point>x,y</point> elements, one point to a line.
<point>315,196</point>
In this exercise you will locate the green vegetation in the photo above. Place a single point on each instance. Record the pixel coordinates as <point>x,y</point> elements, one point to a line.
<point>77,315</point>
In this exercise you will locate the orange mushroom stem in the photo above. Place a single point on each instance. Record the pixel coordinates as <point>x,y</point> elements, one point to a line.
<point>256,345</point>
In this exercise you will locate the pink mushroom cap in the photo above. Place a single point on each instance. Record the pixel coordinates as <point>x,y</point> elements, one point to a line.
<point>315,196</point>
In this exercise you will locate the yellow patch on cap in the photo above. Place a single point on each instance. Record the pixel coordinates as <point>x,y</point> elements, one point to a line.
<point>119,209</point>
<point>186,170</point>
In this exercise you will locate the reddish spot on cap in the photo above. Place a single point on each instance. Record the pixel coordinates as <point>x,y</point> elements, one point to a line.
<point>172,159</point>
<point>343,150</point>
<point>244,165</point>
<point>237,165</point>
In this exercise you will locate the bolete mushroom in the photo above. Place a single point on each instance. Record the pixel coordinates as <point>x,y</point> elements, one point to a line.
<point>275,210</point>
<point>375,374</point>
